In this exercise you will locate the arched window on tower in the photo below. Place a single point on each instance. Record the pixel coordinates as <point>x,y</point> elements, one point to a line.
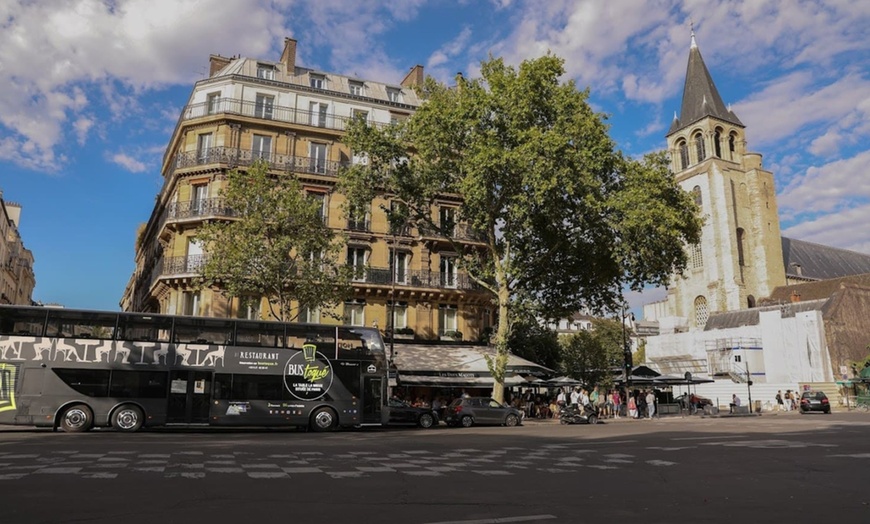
<point>732,145</point>
<point>740,238</point>
<point>699,146</point>
<point>683,146</point>
<point>750,301</point>
<point>696,194</point>
<point>701,312</point>
<point>697,256</point>
<point>717,142</point>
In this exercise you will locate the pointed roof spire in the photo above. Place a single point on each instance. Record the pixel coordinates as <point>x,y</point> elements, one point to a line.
<point>700,96</point>
<point>694,44</point>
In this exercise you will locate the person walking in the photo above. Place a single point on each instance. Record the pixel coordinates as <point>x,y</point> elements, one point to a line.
<point>616,398</point>
<point>632,407</point>
<point>779,403</point>
<point>651,403</point>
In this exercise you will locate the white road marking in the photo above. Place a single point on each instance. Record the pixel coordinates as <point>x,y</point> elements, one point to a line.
<point>491,473</point>
<point>268,475</point>
<point>500,520</point>
<point>63,471</point>
<point>660,463</point>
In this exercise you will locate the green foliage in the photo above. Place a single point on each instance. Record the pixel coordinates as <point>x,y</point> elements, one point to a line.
<point>639,356</point>
<point>567,221</point>
<point>537,343</point>
<point>277,246</point>
<point>590,356</point>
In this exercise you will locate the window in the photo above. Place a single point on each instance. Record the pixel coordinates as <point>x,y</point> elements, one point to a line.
<point>213,103</point>
<point>354,312</point>
<point>264,106</point>
<point>357,88</point>
<point>190,303</point>
<point>309,315</point>
<point>317,158</point>
<point>316,81</point>
<point>199,200</point>
<point>697,256</point>
<point>138,384</point>
<point>717,145</point>
<point>265,71</point>
<point>448,271</point>
<point>732,144</point>
<point>699,146</point>
<point>320,198</point>
<point>400,314</point>
<point>741,234</point>
<point>195,258</point>
<point>394,95</point>
<point>89,382</point>
<point>359,114</point>
<point>448,318</point>
<point>397,218</point>
<point>261,147</point>
<point>399,266</point>
<point>357,219</point>
<point>318,114</point>
<point>701,312</point>
<point>684,154</point>
<point>447,220</point>
<point>249,308</point>
<point>203,147</point>
<point>361,159</point>
<point>357,258</point>
<point>696,194</point>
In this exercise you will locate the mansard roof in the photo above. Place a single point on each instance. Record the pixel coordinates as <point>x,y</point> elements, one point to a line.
<point>809,261</point>
<point>700,97</point>
<point>809,291</point>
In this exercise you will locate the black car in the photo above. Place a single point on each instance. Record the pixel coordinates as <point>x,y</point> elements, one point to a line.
<point>403,413</point>
<point>469,411</point>
<point>815,401</point>
<point>693,403</point>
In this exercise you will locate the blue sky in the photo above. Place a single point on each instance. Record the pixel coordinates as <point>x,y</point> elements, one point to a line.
<point>91,91</point>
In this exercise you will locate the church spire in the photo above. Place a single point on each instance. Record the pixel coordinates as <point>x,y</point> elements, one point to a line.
<point>700,96</point>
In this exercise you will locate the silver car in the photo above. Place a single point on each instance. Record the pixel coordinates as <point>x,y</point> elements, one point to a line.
<point>469,411</point>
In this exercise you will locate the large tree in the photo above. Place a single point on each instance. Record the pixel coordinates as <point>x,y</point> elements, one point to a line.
<point>592,356</point>
<point>276,246</point>
<point>567,221</point>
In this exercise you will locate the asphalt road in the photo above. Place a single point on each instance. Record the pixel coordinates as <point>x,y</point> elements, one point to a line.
<point>773,468</point>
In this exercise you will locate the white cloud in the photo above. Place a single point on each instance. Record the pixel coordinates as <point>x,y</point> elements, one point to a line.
<point>828,187</point>
<point>446,53</point>
<point>81,126</point>
<point>129,163</point>
<point>837,229</point>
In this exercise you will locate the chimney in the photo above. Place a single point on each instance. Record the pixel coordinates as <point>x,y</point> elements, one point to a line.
<point>795,296</point>
<point>288,56</point>
<point>216,63</point>
<point>414,77</point>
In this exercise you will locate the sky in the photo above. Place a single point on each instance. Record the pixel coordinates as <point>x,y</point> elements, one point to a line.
<point>90,92</point>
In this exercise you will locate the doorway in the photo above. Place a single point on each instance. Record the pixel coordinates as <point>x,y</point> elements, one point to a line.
<point>189,397</point>
<point>372,399</point>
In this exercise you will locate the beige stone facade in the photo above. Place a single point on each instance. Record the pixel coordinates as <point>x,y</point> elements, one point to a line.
<point>16,273</point>
<point>295,118</point>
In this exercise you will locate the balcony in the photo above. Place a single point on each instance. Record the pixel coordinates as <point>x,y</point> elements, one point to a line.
<point>235,157</point>
<point>415,278</point>
<point>263,111</point>
<point>182,266</point>
<point>198,209</point>
<point>460,232</point>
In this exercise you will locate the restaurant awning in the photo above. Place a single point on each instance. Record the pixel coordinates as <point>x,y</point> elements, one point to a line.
<point>457,366</point>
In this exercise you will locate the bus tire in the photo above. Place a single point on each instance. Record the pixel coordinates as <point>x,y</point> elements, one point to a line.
<point>323,419</point>
<point>77,418</point>
<point>128,418</point>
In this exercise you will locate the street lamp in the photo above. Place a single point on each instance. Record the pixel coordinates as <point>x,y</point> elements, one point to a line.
<point>626,357</point>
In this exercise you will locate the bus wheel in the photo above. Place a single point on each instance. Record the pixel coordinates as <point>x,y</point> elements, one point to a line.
<point>128,418</point>
<point>77,418</point>
<point>323,419</point>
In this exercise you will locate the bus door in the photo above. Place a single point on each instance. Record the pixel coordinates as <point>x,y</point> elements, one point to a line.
<point>372,399</point>
<point>189,397</point>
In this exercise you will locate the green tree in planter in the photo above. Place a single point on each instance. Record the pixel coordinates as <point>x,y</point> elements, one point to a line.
<point>566,221</point>
<point>277,245</point>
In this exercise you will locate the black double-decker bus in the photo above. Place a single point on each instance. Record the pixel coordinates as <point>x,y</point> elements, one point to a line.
<point>76,369</point>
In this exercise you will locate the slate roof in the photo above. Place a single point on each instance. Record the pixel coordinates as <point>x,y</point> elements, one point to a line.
<point>700,96</point>
<point>749,317</point>
<point>821,289</point>
<point>817,262</point>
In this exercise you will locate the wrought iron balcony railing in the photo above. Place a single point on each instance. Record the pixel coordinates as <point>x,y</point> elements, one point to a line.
<point>187,265</point>
<point>207,207</point>
<point>234,157</point>
<point>268,111</point>
<point>459,232</point>
<point>415,278</point>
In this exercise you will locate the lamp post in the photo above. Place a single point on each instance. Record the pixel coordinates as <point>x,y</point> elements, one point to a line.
<point>626,359</point>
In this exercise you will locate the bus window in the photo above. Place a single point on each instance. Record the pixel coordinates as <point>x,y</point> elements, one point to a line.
<point>27,322</point>
<point>258,387</point>
<point>223,386</point>
<point>80,324</point>
<point>363,341</point>
<point>263,334</point>
<point>190,330</point>
<point>144,327</point>
<point>141,384</point>
<point>321,336</point>
<point>90,382</point>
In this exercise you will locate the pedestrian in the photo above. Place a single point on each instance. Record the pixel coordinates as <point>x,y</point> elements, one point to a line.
<point>632,407</point>
<point>779,403</point>
<point>735,403</point>
<point>560,398</point>
<point>616,398</point>
<point>651,403</point>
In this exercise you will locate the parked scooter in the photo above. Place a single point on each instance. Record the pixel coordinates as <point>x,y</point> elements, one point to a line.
<point>574,414</point>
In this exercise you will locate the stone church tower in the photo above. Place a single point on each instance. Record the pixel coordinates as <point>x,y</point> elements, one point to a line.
<point>739,258</point>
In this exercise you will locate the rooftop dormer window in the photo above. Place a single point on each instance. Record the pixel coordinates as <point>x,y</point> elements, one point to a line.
<point>357,88</point>
<point>394,95</point>
<point>266,71</point>
<point>317,81</point>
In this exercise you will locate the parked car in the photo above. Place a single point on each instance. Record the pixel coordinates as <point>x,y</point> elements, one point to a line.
<point>469,411</point>
<point>815,401</point>
<point>693,403</point>
<point>403,413</point>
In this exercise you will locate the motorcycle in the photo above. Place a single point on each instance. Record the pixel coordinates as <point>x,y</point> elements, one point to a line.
<point>574,414</point>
